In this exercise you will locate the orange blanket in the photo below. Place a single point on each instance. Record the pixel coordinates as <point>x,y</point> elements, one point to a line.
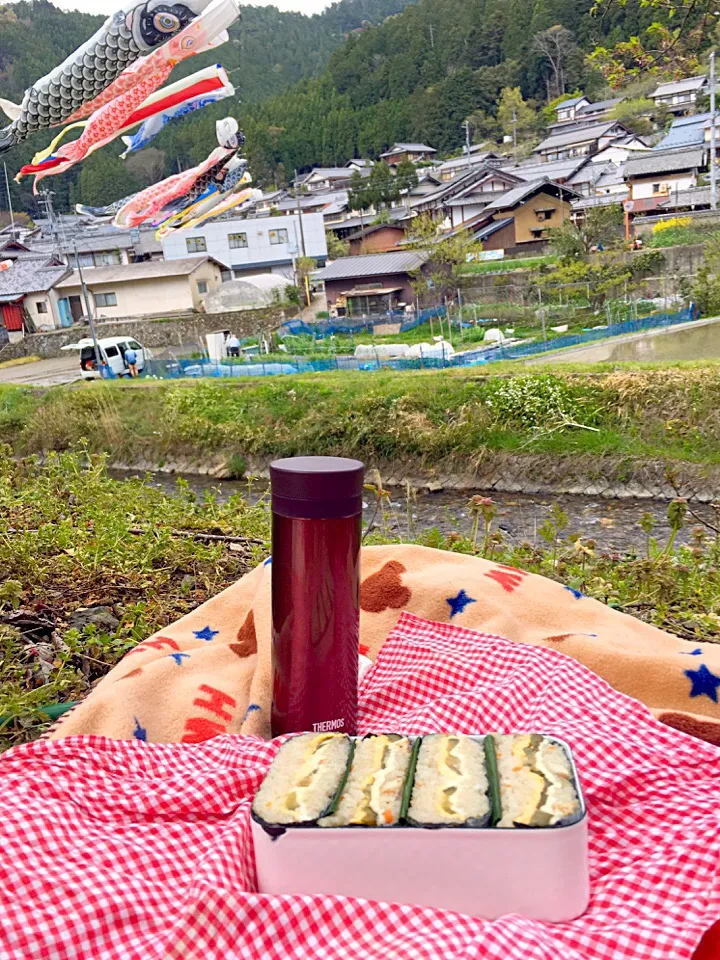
<point>210,673</point>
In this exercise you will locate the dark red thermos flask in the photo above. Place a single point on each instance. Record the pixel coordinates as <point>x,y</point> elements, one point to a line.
<point>316,534</point>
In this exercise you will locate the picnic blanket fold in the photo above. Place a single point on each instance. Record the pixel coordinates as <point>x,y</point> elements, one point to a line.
<point>210,673</point>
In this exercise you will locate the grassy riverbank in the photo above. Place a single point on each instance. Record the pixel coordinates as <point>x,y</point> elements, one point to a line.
<point>668,413</point>
<point>72,538</point>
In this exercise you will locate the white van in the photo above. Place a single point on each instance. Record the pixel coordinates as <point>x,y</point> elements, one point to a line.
<point>112,352</point>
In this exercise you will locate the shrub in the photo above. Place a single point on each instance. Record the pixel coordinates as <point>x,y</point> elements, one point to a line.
<point>673,223</point>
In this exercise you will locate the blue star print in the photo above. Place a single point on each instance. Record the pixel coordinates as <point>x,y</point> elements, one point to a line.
<point>458,603</point>
<point>139,733</point>
<point>253,708</point>
<point>206,634</point>
<point>575,593</point>
<point>179,657</point>
<point>268,562</point>
<point>704,683</point>
<point>692,653</point>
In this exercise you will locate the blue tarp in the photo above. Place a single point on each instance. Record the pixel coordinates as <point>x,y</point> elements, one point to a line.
<point>474,358</point>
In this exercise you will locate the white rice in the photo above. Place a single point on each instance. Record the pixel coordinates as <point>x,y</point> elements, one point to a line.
<point>303,778</point>
<point>374,790</point>
<point>534,788</point>
<point>450,794</point>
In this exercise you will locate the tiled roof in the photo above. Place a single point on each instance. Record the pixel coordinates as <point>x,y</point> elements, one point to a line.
<point>679,86</point>
<point>374,265</point>
<point>149,270</point>
<point>664,161</point>
<point>30,276</point>
<point>592,132</point>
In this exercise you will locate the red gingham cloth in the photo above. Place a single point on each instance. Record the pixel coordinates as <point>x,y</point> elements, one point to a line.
<point>130,850</point>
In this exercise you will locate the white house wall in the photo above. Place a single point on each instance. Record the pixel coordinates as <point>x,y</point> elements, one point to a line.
<point>260,255</point>
<point>643,189</point>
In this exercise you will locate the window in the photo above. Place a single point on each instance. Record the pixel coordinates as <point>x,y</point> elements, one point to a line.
<point>278,236</point>
<point>86,260</point>
<point>544,215</point>
<point>537,234</point>
<point>133,345</point>
<point>657,187</point>
<point>196,245</point>
<point>110,258</point>
<point>226,276</point>
<point>202,286</point>
<point>238,241</point>
<point>41,307</point>
<point>111,351</point>
<point>106,299</point>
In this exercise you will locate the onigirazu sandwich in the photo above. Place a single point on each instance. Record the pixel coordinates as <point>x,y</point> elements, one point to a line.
<point>537,788</point>
<point>451,783</point>
<point>373,793</point>
<point>305,779</point>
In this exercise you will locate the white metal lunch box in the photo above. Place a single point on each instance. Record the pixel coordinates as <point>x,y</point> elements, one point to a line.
<point>539,873</point>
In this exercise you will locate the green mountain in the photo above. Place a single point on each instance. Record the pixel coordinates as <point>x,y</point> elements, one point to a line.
<point>420,74</point>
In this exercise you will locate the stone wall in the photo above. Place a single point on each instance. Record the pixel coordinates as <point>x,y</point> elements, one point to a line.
<point>172,332</point>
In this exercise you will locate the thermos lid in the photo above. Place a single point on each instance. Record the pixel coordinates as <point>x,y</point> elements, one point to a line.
<point>317,487</point>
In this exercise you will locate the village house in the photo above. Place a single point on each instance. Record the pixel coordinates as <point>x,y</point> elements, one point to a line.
<point>679,96</point>
<point>248,247</point>
<point>652,177</point>
<point>473,198</point>
<point>153,288</point>
<point>596,112</point>
<point>567,111</point>
<point>378,237</point>
<point>27,298</point>
<point>407,151</point>
<point>518,221</point>
<point>477,157</point>
<point>373,285</point>
<point>580,141</point>
<point>322,179</point>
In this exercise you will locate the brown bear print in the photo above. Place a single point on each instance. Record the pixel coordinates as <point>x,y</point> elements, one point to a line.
<point>247,638</point>
<point>384,590</point>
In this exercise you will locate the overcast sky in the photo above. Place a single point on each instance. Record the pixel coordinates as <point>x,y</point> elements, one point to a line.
<point>103,6</point>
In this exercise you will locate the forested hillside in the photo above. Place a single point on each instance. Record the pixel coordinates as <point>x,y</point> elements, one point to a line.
<point>422,73</point>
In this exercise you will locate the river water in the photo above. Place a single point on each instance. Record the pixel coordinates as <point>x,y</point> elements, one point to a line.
<point>613,524</point>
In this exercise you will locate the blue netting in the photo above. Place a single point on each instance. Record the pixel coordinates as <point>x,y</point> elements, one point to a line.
<point>169,369</point>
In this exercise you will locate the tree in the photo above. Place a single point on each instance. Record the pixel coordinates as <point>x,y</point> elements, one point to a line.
<point>706,290</point>
<point>147,166</point>
<point>636,115</point>
<point>337,248</point>
<point>104,178</point>
<point>442,273</point>
<point>602,226</point>
<point>483,126</point>
<point>406,176</point>
<point>671,45</point>
<point>383,185</point>
<point>361,195</point>
<point>557,46</point>
<point>516,118</point>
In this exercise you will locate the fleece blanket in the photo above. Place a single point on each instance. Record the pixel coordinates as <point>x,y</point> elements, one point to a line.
<point>210,673</point>
<point>124,849</point>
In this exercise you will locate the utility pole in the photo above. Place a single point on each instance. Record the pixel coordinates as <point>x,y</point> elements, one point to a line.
<point>86,298</point>
<point>713,136</point>
<point>308,298</point>
<point>10,206</point>
<point>515,133</point>
<point>466,125</point>
<point>432,36</point>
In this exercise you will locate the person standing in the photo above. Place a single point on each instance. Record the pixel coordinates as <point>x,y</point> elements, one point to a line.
<point>131,362</point>
<point>233,345</point>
